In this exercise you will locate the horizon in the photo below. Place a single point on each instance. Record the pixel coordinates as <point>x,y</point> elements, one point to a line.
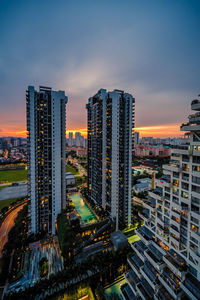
<point>152,131</point>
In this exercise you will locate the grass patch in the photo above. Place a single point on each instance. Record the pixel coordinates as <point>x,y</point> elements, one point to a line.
<point>71,170</point>
<point>6,203</point>
<point>13,176</point>
<point>130,228</point>
<point>133,238</point>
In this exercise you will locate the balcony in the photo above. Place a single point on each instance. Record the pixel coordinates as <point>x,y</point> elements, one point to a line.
<point>175,222</point>
<point>195,234</point>
<point>189,127</point>
<point>195,105</point>
<point>171,282</point>
<point>132,280</point>
<point>174,239</point>
<point>164,181</point>
<point>155,257</point>
<point>150,274</point>
<point>127,293</point>
<point>175,212</point>
<point>191,286</point>
<point>145,234</point>
<point>182,150</point>
<point>156,194</point>
<point>175,262</point>
<point>175,230</point>
<point>195,118</point>
<point>173,167</point>
<point>139,247</point>
<point>145,290</point>
<point>144,215</point>
<point>162,294</point>
<point>150,204</point>
<point>135,263</point>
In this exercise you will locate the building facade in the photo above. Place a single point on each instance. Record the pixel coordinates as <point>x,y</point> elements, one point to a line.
<point>46,110</point>
<point>165,263</point>
<point>110,145</point>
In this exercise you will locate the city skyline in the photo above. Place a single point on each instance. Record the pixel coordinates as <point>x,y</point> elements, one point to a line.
<point>157,60</point>
<point>160,131</point>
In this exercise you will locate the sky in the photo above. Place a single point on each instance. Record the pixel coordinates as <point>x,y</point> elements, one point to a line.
<point>148,48</point>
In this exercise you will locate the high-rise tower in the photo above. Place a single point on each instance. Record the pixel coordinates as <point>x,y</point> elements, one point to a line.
<point>46,156</point>
<point>110,144</point>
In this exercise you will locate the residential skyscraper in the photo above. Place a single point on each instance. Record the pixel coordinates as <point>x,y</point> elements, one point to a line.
<point>77,139</point>
<point>166,261</point>
<point>137,137</point>
<point>70,140</point>
<point>46,156</point>
<point>110,144</point>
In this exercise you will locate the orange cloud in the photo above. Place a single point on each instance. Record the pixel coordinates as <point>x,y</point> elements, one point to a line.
<point>161,131</point>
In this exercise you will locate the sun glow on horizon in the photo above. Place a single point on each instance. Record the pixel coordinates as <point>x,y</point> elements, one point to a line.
<point>161,131</point>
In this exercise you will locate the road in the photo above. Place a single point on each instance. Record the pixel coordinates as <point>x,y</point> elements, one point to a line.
<point>7,225</point>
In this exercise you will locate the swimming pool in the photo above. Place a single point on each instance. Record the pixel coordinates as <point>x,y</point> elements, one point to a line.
<point>115,288</point>
<point>82,208</point>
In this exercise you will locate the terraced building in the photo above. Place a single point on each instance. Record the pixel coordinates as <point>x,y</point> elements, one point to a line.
<point>165,263</point>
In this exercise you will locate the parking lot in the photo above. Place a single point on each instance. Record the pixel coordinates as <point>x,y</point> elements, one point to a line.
<point>13,191</point>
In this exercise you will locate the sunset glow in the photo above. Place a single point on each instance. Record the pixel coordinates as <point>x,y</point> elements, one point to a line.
<point>162,131</point>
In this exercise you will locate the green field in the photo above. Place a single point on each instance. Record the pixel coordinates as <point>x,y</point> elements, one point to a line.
<point>4,203</point>
<point>13,176</point>
<point>21,175</point>
<point>71,170</point>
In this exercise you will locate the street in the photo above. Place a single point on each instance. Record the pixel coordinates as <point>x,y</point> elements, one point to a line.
<point>7,225</point>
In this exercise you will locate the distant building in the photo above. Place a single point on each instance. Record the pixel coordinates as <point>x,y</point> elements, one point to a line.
<point>70,140</point>
<point>142,185</point>
<point>110,144</point>
<point>147,140</point>
<point>70,179</point>
<point>151,150</point>
<point>46,156</point>
<point>79,150</point>
<point>77,139</point>
<point>136,137</point>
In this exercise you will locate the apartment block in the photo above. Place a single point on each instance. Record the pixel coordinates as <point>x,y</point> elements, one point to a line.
<point>165,263</point>
<point>110,145</point>
<point>46,111</point>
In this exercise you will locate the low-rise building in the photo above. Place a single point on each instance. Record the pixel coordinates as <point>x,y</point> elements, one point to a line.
<point>70,179</point>
<point>119,240</point>
<point>152,150</point>
<point>142,185</point>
